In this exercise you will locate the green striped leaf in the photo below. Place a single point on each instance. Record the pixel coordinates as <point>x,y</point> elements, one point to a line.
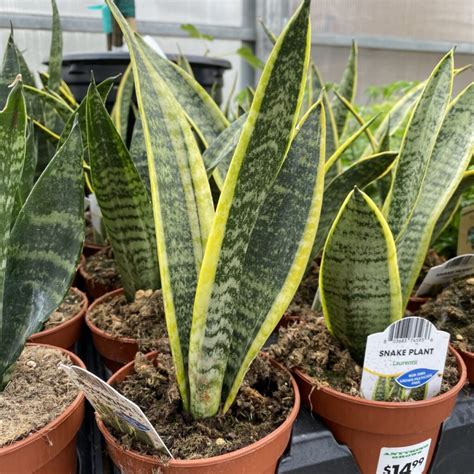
<point>260,152</point>
<point>123,199</point>
<point>450,158</point>
<point>138,153</point>
<point>347,89</point>
<point>453,204</point>
<point>12,153</point>
<point>182,201</point>
<point>44,249</point>
<point>350,140</point>
<point>279,248</point>
<point>221,150</point>
<point>56,51</point>
<point>417,145</point>
<point>358,279</point>
<point>123,102</point>
<point>332,138</point>
<point>201,110</point>
<point>360,174</point>
<point>47,99</point>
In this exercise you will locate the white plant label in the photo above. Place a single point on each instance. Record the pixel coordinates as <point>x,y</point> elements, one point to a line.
<point>112,406</point>
<point>457,267</point>
<point>404,460</point>
<point>405,361</point>
<point>96,214</point>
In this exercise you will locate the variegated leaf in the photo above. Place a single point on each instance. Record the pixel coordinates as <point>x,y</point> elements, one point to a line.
<point>417,145</point>
<point>451,208</point>
<point>182,202</point>
<point>279,248</point>
<point>56,51</point>
<point>221,150</point>
<point>123,199</point>
<point>138,153</point>
<point>360,174</point>
<point>452,152</point>
<point>257,159</point>
<point>347,89</point>
<point>123,102</point>
<point>12,156</point>
<point>358,279</point>
<point>44,249</point>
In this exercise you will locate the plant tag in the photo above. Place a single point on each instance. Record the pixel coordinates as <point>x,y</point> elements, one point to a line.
<point>466,231</point>
<point>405,361</point>
<point>457,267</point>
<point>112,406</point>
<point>404,460</point>
<point>96,214</point>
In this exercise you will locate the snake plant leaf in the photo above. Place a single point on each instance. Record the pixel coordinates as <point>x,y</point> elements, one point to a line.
<point>417,145</point>
<point>332,138</point>
<point>123,199</point>
<point>349,141</point>
<point>347,89</point>
<point>358,279</point>
<point>360,174</point>
<point>138,153</point>
<point>221,150</point>
<point>181,196</point>
<point>451,208</point>
<point>352,110</point>
<point>44,249</point>
<point>450,158</point>
<point>258,157</point>
<point>272,37</point>
<point>56,51</point>
<point>123,101</point>
<point>279,247</point>
<point>206,118</point>
<point>55,102</point>
<point>13,125</point>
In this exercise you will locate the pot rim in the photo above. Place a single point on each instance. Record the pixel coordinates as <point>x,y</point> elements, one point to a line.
<point>394,405</point>
<point>100,332</point>
<point>65,324</point>
<point>52,425</point>
<point>468,354</point>
<point>233,455</point>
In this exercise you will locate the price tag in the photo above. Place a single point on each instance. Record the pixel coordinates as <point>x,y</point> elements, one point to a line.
<point>116,409</point>
<point>405,361</point>
<point>457,267</point>
<point>404,460</point>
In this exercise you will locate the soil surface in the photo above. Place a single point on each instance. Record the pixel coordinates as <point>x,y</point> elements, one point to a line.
<point>37,393</point>
<point>71,305</point>
<point>310,347</point>
<point>102,268</point>
<point>453,311</point>
<point>263,403</point>
<point>142,319</point>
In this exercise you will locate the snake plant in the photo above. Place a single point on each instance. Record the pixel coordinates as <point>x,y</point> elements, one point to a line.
<point>39,245</point>
<point>228,274</point>
<point>371,258</point>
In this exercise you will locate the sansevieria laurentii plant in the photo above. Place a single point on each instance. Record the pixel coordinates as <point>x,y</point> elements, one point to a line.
<point>39,245</point>
<point>228,275</point>
<point>371,258</point>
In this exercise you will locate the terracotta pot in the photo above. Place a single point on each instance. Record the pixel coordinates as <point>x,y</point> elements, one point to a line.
<point>260,457</point>
<point>367,426</point>
<point>64,335</point>
<point>416,302</point>
<point>52,449</point>
<point>94,288</point>
<point>468,358</point>
<point>115,351</point>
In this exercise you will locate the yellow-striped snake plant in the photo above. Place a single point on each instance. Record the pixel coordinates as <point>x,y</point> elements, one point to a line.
<point>228,274</point>
<point>41,243</point>
<point>371,258</point>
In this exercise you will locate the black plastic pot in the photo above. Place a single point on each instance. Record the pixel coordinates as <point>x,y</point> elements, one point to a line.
<point>77,67</point>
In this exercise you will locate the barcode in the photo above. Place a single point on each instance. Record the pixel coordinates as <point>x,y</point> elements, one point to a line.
<point>462,260</point>
<point>410,328</point>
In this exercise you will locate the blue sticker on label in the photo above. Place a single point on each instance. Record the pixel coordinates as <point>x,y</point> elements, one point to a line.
<point>416,377</point>
<point>132,421</point>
